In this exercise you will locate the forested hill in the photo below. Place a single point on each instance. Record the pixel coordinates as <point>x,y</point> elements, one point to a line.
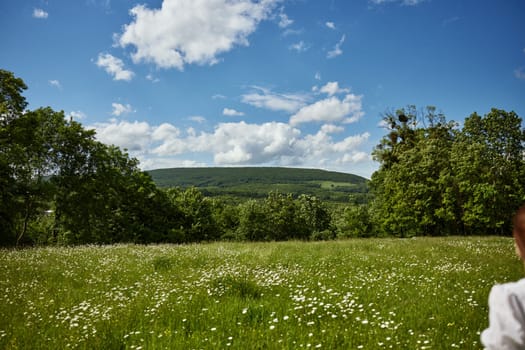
<point>256,182</point>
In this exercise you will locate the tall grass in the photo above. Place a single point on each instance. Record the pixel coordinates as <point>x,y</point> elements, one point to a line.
<point>424,293</point>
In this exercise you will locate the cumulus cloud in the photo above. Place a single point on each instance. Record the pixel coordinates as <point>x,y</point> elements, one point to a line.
<point>119,109</point>
<point>332,129</point>
<point>264,98</point>
<point>133,136</point>
<point>184,32</point>
<point>330,25</point>
<point>330,110</point>
<point>317,76</point>
<point>337,48</point>
<point>241,143</point>
<point>331,88</point>
<point>39,13</point>
<point>114,66</point>
<point>232,112</point>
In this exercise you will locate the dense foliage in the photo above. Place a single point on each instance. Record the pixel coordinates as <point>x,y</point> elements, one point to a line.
<point>59,185</point>
<point>438,179</point>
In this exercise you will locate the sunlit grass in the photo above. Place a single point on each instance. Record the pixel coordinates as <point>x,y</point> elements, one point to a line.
<point>423,293</point>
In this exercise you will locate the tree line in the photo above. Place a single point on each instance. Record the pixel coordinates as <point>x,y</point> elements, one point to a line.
<point>59,185</point>
<point>437,178</point>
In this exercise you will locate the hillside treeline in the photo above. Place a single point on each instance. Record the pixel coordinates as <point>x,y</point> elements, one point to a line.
<point>59,185</point>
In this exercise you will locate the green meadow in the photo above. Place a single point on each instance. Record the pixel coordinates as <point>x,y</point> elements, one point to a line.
<point>418,293</point>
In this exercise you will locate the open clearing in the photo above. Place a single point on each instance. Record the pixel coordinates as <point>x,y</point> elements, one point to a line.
<point>421,293</point>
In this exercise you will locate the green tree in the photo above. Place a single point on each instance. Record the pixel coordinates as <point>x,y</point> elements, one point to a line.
<point>435,179</point>
<point>315,218</point>
<point>12,105</point>
<point>197,221</point>
<point>31,158</point>
<point>253,222</point>
<point>488,167</point>
<point>98,193</point>
<point>413,158</point>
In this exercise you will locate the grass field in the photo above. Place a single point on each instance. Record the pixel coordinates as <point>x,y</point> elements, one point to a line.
<point>422,293</point>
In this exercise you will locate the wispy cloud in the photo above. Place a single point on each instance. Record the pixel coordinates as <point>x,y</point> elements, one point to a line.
<point>520,73</point>
<point>450,20</point>
<point>39,13</point>
<point>330,25</point>
<point>284,21</point>
<point>290,31</point>
<point>299,47</point>
<point>218,97</point>
<point>55,83</point>
<point>232,112</point>
<point>402,2</point>
<point>197,118</point>
<point>265,98</point>
<point>337,48</point>
<point>114,66</point>
<point>119,109</point>
<point>151,78</point>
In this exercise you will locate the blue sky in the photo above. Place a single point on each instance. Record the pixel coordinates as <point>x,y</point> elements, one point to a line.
<point>299,83</point>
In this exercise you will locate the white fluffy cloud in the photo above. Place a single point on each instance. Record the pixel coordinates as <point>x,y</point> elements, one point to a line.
<point>232,112</point>
<point>77,115</point>
<point>119,109</point>
<point>337,51</point>
<point>114,66</point>
<point>332,88</point>
<point>330,25</point>
<point>241,143</point>
<point>264,98</point>
<point>39,13</point>
<point>192,31</point>
<point>134,136</point>
<point>330,110</point>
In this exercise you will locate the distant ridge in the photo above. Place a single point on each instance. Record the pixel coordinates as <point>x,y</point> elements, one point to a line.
<point>256,182</point>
